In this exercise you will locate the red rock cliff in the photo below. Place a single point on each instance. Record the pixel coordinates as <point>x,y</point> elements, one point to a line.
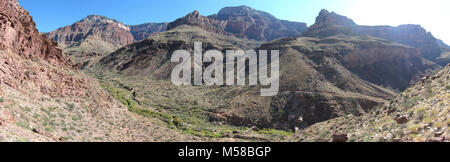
<point>95,27</point>
<point>19,34</point>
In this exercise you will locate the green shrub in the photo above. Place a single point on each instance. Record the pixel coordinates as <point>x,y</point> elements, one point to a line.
<point>23,125</point>
<point>70,106</point>
<point>275,132</point>
<point>427,120</point>
<point>438,124</point>
<point>408,103</point>
<point>76,117</point>
<point>121,97</point>
<point>203,133</point>
<point>415,128</point>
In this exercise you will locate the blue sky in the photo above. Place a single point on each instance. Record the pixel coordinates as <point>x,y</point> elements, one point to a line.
<point>432,14</point>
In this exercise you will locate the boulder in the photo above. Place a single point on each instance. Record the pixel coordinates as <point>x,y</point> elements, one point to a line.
<point>36,131</point>
<point>402,120</point>
<point>340,138</point>
<point>436,139</point>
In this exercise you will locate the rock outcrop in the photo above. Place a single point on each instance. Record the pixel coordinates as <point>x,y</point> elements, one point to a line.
<point>19,34</point>
<point>243,22</point>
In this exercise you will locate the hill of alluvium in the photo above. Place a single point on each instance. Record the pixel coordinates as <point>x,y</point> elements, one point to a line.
<point>419,114</point>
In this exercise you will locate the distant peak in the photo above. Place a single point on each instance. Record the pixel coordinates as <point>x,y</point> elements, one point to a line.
<point>325,17</point>
<point>98,19</point>
<point>195,13</point>
<point>244,7</point>
<point>324,12</point>
<point>235,10</point>
<point>94,17</point>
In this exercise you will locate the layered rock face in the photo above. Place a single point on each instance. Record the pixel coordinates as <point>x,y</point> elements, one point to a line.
<point>94,27</point>
<point>329,24</point>
<point>18,33</point>
<point>411,35</point>
<point>143,31</point>
<point>104,29</point>
<point>91,38</point>
<point>374,60</point>
<point>326,78</point>
<point>243,22</point>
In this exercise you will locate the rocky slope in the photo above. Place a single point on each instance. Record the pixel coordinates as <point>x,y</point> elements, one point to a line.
<point>328,77</point>
<point>445,53</point>
<point>321,79</point>
<point>42,98</point>
<point>328,24</point>
<point>243,22</point>
<point>315,84</point>
<point>420,114</point>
